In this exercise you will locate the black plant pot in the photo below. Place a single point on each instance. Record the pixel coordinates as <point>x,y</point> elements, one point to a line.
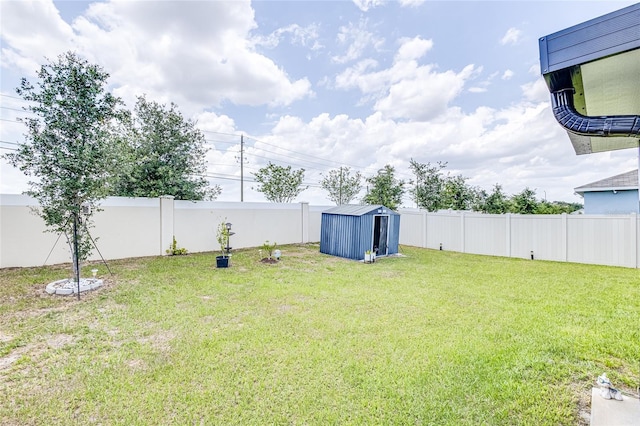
<point>222,262</point>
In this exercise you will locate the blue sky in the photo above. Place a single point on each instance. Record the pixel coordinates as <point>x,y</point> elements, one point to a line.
<point>320,84</point>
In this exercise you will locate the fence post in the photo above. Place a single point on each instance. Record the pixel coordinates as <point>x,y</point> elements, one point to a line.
<point>166,222</point>
<point>565,237</point>
<point>634,239</point>
<point>304,209</point>
<point>462,231</point>
<point>424,229</point>
<point>507,218</point>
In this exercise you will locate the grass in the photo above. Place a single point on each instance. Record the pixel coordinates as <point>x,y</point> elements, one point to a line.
<point>430,338</point>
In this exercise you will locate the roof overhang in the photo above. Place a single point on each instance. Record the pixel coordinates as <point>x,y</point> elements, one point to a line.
<point>593,73</point>
<point>582,190</point>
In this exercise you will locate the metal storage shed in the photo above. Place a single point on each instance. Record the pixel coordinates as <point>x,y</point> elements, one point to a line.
<point>350,230</point>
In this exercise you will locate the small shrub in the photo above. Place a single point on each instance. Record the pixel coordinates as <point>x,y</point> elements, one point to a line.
<point>269,248</point>
<point>174,250</point>
<point>222,236</point>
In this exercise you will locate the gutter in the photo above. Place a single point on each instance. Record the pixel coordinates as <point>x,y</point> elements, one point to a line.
<point>613,125</point>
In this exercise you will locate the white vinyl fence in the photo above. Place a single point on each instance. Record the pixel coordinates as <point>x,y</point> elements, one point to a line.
<point>595,239</point>
<point>136,227</point>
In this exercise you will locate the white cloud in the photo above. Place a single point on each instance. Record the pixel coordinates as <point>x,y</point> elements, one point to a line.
<point>512,36</point>
<point>365,5</point>
<point>535,91</point>
<point>407,90</point>
<point>357,39</point>
<point>507,75</point>
<point>199,55</point>
<point>212,122</point>
<point>413,49</point>
<point>411,3</point>
<point>31,31</point>
<point>302,36</point>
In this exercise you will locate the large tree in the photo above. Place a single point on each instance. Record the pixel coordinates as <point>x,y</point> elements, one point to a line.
<point>458,195</point>
<point>429,184</point>
<point>341,185</point>
<point>524,202</point>
<point>385,188</point>
<point>279,184</point>
<point>497,202</point>
<point>163,154</point>
<point>67,149</point>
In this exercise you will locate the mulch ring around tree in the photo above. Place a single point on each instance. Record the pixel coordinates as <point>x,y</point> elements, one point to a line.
<point>268,260</point>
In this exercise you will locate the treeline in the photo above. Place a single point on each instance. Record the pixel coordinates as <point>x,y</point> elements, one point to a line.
<point>432,189</point>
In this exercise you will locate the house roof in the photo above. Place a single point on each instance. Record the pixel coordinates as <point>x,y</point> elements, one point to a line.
<point>358,210</point>
<point>597,65</point>
<point>624,181</point>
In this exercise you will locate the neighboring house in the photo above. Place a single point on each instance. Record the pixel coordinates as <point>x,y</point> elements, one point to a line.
<point>614,195</point>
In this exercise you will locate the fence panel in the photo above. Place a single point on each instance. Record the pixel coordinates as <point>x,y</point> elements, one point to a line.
<point>485,234</point>
<point>126,227</point>
<point>412,229</point>
<point>541,234</point>
<point>23,241</point>
<point>445,229</point>
<point>253,223</point>
<point>602,240</point>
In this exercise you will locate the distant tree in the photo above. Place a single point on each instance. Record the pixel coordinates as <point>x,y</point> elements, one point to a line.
<point>67,148</point>
<point>557,207</point>
<point>385,189</point>
<point>279,184</point>
<point>428,184</point>
<point>341,185</point>
<point>457,195</point>
<point>524,202</point>
<point>496,202</point>
<point>163,154</point>
<point>479,199</point>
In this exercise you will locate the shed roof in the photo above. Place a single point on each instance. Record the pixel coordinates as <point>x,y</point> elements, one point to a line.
<point>358,210</point>
<point>628,180</point>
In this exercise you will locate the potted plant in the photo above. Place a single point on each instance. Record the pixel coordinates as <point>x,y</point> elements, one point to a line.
<point>223,234</point>
<point>368,256</point>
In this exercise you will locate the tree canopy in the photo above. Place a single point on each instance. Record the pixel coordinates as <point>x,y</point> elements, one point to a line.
<point>67,149</point>
<point>428,185</point>
<point>279,184</point>
<point>162,153</point>
<point>385,188</point>
<point>341,185</point>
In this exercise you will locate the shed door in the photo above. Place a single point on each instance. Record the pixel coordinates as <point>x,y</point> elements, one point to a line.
<point>381,235</point>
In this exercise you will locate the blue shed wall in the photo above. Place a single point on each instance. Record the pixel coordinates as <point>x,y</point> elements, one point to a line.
<point>346,236</point>
<point>350,236</point>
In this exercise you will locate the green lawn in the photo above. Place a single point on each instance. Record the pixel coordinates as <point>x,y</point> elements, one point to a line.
<point>428,338</point>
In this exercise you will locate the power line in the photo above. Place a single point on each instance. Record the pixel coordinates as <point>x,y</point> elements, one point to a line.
<point>306,155</point>
<point>4,95</point>
<point>291,151</point>
<point>11,121</point>
<point>17,109</point>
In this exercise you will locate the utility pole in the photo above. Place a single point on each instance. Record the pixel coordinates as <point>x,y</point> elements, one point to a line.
<point>241,168</point>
